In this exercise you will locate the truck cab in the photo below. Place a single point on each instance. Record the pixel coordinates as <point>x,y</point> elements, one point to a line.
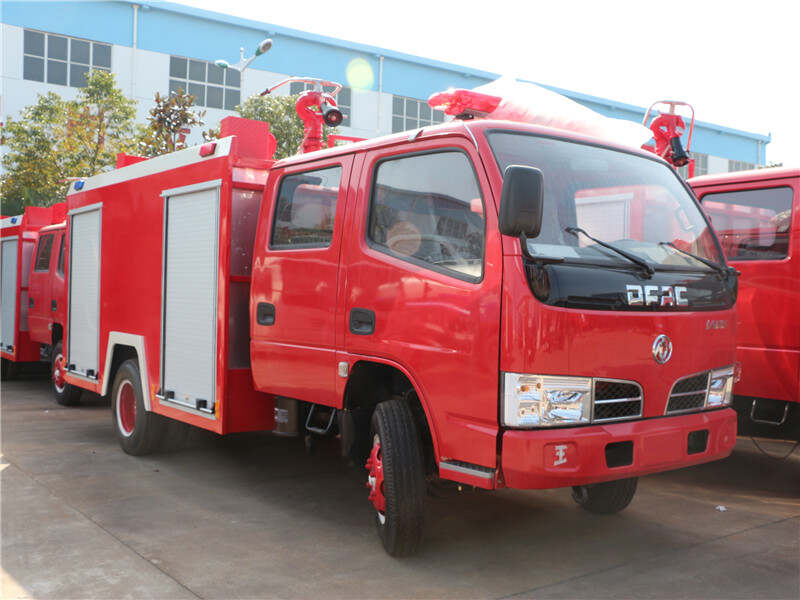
<point>47,305</point>
<point>757,217</point>
<point>530,335</point>
<point>22,331</point>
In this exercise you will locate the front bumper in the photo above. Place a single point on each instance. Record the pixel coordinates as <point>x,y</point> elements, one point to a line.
<point>543,459</point>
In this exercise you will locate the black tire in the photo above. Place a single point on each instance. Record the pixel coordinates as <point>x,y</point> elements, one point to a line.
<point>68,395</point>
<point>8,371</point>
<point>400,526</point>
<point>605,498</point>
<point>145,431</point>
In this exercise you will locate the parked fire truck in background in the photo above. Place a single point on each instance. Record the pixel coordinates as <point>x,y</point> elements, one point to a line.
<point>33,285</point>
<point>757,217</point>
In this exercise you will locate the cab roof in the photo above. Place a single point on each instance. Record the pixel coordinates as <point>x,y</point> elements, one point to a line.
<point>466,129</point>
<point>744,176</point>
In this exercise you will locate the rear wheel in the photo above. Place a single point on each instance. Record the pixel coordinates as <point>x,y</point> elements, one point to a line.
<point>65,394</point>
<point>396,478</point>
<point>139,431</point>
<point>7,370</point>
<point>605,498</point>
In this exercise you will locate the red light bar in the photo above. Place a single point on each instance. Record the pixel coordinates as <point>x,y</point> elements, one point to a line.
<point>208,149</point>
<point>460,101</point>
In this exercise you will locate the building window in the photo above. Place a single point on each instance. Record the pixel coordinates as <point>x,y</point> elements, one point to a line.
<point>62,60</point>
<point>410,113</point>
<point>211,86</point>
<point>343,98</point>
<point>700,166</point>
<point>740,165</point>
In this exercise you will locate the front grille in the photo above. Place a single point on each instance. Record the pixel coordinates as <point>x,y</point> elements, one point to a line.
<point>688,393</point>
<point>616,400</point>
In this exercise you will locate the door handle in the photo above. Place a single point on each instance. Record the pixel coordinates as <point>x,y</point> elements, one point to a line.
<point>362,321</point>
<point>265,313</point>
<point>30,302</point>
<point>53,305</point>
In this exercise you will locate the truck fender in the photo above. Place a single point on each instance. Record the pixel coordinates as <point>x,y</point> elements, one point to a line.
<point>117,338</point>
<point>353,359</point>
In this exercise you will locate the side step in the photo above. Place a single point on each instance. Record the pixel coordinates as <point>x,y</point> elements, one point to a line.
<point>776,423</point>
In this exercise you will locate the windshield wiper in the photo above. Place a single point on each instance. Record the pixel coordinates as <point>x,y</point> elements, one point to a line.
<point>709,263</point>
<point>634,259</point>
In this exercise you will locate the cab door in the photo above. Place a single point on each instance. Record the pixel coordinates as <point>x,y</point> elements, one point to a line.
<point>295,278</point>
<point>422,272</point>
<point>40,287</point>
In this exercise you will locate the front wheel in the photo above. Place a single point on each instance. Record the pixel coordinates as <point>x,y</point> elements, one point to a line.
<point>65,394</point>
<point>396,478</point>
<point>605,498</point>
<point>139,431</point>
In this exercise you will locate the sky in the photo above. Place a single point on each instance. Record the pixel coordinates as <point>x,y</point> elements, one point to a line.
<point>738,63</point>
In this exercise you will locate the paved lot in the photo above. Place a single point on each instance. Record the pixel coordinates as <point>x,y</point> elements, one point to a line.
<point>252,516</point>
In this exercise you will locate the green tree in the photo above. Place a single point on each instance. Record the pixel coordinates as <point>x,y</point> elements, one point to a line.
<point>168,123</point>
<point>56,139</point>
<point>284,123</point>
<point>101,123</point>
<point>33,168</point>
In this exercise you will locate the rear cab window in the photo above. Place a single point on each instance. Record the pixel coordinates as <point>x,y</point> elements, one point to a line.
<point>43,252</point>
<point>752,224</point>
<point>427,209</point>
<point>306,209</point>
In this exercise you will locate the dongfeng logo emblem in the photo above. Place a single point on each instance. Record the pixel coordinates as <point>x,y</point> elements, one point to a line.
<point>662,349</point>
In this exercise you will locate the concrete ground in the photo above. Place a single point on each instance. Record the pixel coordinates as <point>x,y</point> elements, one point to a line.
<point>252,516</point>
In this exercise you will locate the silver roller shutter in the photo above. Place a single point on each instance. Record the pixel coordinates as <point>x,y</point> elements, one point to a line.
<point>190,296</point>
<point>8,285</point>
<point>84,293</point>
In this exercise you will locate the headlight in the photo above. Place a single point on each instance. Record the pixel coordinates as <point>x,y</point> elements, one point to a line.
<point>720,390</point>
<point>545,401</point>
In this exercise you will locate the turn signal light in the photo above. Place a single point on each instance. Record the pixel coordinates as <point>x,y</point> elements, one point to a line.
<point>208,149</point>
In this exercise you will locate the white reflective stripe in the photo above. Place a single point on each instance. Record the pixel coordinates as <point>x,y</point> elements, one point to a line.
<point>8,292</point>
<point>158,164</point>
<point>117,338</point>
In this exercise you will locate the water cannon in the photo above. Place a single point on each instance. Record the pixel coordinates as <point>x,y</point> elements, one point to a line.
<point>668,128</point>
<point>315,107</point>
<point>243,63</point>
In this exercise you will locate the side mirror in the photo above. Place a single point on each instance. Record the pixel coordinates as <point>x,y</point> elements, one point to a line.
<point>521,201</point>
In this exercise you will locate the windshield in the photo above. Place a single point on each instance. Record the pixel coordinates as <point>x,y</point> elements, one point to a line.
<point>635,204</point>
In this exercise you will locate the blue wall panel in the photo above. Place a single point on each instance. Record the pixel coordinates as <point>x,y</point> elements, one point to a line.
<point>110,22</point>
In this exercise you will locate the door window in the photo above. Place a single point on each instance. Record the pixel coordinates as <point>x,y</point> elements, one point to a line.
<point>752,224</point>
<point>61,256</point>
<point>43,253</point>
<point>428,209</point>
<point>305,210</point>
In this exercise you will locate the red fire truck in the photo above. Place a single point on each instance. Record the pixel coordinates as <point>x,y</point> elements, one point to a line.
<point>492,303</point>
<point>25,337</point>
<point>757,217</point>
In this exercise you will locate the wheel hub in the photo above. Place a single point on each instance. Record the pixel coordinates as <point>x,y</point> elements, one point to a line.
<point>126,408</point>
<point>375,479</point>
<point>58,373</point>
